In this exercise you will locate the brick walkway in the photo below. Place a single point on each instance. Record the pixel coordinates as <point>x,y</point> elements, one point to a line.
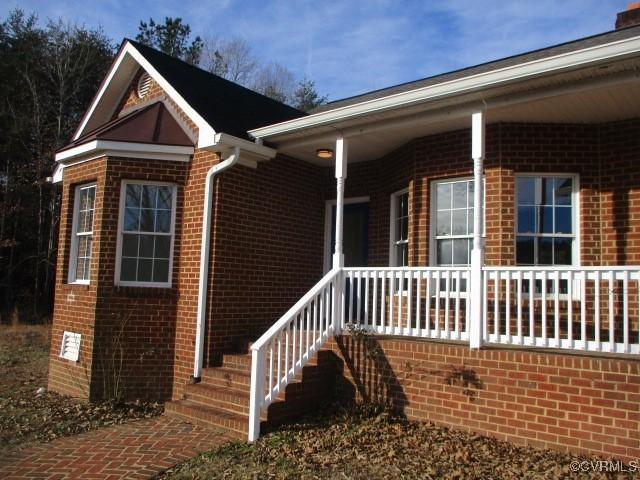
<point>135,450</point>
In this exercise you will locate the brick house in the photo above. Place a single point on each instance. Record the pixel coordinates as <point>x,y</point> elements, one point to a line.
<point>464,248</point>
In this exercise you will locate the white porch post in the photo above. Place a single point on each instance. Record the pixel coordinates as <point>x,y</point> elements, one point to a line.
<point>338,255</point>
<point>477,253</point>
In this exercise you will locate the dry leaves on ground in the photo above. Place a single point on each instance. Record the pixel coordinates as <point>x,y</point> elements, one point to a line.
<point>365,443</point>
<point>26,415</point>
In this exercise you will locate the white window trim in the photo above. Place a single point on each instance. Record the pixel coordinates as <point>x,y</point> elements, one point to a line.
<point>123,188</point>
<point>329,204</point>
<point>575,214</point>
<point>393,203</point>
<point>433,214</point>
<point>73,251</point>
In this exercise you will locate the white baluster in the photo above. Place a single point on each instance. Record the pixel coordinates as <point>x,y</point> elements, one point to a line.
<point>596,312</point>
<point>519,307</point>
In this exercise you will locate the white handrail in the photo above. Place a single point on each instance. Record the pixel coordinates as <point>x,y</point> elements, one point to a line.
<point>290,343</point>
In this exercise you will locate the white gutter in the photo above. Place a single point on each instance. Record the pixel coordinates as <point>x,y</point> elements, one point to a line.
<point>230,161</point>
<point>534,68</point>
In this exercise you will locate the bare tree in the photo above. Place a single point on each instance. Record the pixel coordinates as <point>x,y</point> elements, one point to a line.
<point>229,58</point>
<point>275,81</point>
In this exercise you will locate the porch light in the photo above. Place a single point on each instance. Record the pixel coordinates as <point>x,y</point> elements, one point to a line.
<point>324,153</point>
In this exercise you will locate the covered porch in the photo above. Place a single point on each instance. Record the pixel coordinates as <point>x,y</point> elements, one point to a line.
<point>503,216</point>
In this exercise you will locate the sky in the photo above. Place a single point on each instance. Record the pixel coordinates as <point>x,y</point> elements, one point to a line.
<point>351,47</point>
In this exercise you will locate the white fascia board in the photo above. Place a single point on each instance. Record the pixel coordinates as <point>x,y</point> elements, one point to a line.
<point>534,68</point>
<point>229,142</point>
<point>101,148</point>
<point>206,133</point>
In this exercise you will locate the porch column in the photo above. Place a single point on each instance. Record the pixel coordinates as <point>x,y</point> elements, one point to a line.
<point>338,256</point>
<point>341,175</point>
<point>477,253</point>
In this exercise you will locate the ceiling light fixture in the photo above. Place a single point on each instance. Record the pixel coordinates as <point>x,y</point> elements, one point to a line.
<point>324,153</point>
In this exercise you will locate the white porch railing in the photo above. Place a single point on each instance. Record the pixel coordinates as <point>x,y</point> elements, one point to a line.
<point>416,302</point>
<point>594,309</point>
<point>279,355</point>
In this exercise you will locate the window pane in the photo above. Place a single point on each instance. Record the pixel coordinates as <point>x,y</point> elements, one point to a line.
<point>526,190</point>
<point>149,193</point>
<point>161,271</point>
<point>470,221</point>
<point>82,273</point>
<point>129,245</point>
<point>545,251</point>
<point>526,219</point>
<point>146,246</point>
<point>460,251</point>
<point>443,199</point>
<point>131,219</point>
<point>401,255</point>
<point>163,221</point>
<point>133,196</point>
<point>471,186</point>
<point>459,199</point>
<point>562,251</point>
<point>564,188</point>
<point>524,250</point>
<point>128,269</point>
<point>459,222</point>
<point>165,198</point>
<point>144,269</point>
<point>443,223</point>
<point>547,185</point>
<point>546,219</point>
<point>563,220</point>
<point>162,246</point>
<point>444,248</point>
<point>146,220</point>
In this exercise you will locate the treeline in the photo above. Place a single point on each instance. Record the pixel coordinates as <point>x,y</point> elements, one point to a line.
<point>48,75</point>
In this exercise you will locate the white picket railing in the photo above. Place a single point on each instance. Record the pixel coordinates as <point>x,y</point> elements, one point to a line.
<point>281,353</point>
<point>429,302</point>
<point>596,309</point>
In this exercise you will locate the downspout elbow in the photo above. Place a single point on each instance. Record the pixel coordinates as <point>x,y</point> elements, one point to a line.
<point>229,162</point>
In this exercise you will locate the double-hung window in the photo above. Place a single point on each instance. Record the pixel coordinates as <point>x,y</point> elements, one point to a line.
<point>546,230</point>
<point>399,251</point>
<point>145,243</point>
<point>452,233</point>
<point>82,234</point>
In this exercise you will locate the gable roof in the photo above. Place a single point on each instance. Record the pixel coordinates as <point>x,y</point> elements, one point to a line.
<point>226,106</point>
<point>567,47</point>
<point>150,124</point>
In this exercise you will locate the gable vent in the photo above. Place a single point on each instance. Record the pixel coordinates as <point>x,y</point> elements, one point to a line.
<point>144,82</point>
<point>70,348</point>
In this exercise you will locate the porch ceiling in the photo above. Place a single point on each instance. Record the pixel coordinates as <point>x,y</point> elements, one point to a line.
<point>595,95</point>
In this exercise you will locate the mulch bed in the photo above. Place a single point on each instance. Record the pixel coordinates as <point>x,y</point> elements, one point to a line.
<point>27,415</point>
<point>365,443</point>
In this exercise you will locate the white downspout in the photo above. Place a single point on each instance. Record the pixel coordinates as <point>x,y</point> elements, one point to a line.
<point>204,257</point>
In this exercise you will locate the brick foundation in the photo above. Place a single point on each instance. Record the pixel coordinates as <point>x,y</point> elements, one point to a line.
<point>560,401</point>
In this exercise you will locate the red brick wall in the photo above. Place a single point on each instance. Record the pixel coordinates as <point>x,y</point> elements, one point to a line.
<point>268,239</point>
<point>560,401</point>
<point>606,158</point>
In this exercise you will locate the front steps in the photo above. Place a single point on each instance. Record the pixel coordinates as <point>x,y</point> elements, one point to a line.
<point>221,399</point>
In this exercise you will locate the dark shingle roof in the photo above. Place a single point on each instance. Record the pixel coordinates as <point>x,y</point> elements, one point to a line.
<point>226,106</point>
<point>574,45</point>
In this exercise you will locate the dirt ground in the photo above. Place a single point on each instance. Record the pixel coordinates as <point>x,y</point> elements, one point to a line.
<point>28,416</point>
<point>367,444</point>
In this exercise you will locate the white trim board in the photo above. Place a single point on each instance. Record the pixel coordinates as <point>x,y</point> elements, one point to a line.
<point>522,71</point>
